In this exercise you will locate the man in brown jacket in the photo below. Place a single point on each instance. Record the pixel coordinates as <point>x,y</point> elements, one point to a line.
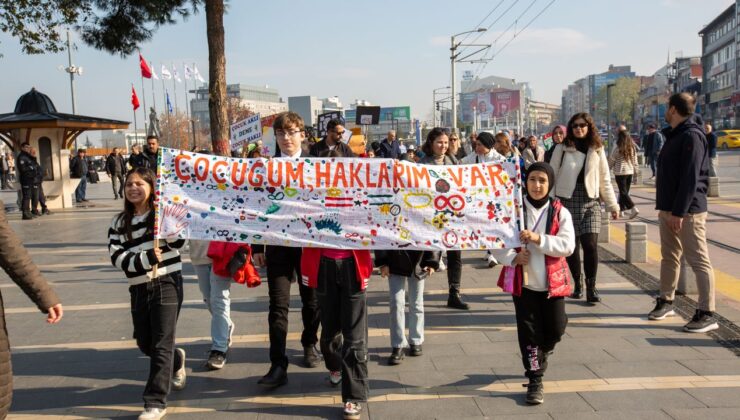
<point>14,259</point>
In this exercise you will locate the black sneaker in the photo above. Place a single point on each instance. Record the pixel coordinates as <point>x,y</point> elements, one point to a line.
<point>352,410</point>
<point>535,391</point>
<point>703,321</point>
<point>396,356</point>
<point>663,308</point>
<point>415,350</point>
<point>310,357</point>
<point>216,360</point>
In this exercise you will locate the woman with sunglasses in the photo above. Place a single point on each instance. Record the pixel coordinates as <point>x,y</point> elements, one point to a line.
<point>582,180</point>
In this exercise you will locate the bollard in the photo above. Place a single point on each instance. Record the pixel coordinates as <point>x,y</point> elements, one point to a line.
<point>636,246</point>
<point>637,176</point>
<point>604,236</point>
<point>641,160</point>
<point>686,279</point>
<point>713,186</point>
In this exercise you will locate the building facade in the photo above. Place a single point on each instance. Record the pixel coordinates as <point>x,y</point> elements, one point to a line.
<point>719,61</point>
<point>262,100</point>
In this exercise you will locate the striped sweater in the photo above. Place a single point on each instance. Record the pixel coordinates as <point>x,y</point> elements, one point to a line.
<point>621,166</point>
<point>136,257</point>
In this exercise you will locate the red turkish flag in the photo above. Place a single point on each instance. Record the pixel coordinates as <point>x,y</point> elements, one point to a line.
<point>134,98</point>
<point>146,72</point>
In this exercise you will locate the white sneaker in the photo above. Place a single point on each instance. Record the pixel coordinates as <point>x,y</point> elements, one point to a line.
<point>335,377</point>
<point>179,375</point>
<point>632,213</point>
<point>442,266</point>
<point>491,261</point>
<point>152,413</point>
<point>231,334</point>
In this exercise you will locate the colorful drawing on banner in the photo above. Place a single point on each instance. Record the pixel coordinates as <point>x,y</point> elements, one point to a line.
<point>246,131</point>
<point>346,203</point>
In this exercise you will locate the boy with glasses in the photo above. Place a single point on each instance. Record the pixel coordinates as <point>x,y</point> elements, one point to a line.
<point>283,269</point>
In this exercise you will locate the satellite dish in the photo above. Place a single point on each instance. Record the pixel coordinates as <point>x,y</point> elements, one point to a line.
<point>60,67</point>
<point>79,71</point>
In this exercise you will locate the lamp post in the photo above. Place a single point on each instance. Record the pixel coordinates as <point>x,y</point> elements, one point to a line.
<point>453,58</point>
<point>72,70</point>
<point>609,113</point>
<point>434,104</point>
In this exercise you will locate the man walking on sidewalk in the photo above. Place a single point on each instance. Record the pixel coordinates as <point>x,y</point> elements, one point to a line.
<point>116,169</point>
<point>78,169</point>
<point>681,199</point>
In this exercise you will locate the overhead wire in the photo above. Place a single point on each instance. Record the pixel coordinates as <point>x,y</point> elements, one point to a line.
<point>516,34</point>
<point>492,23</point>
<point>483,20</point>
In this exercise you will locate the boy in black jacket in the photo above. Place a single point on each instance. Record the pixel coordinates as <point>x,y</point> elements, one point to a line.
<point>402,266</point>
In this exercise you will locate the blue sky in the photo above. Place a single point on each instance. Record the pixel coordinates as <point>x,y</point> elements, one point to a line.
<point>391,53</point>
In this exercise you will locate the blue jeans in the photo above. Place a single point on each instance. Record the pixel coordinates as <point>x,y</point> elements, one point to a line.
<point>81,190</point>
<point>397,287</point>
<point>215,291</point>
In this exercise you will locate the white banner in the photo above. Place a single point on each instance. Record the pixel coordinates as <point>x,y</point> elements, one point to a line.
<point>348,203</point>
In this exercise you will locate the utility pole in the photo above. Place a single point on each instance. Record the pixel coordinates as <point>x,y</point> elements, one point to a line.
<point>453,60</point>
<point>435,105</point>
<point>609,113</point>
<point>72,70</point>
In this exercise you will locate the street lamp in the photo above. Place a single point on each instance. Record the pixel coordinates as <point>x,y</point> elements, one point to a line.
<point>453,58</point>
<point>609,113</point>
<point>434,104</point>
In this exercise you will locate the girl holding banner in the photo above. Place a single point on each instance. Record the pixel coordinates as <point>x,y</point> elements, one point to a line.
<point>540,309</point>
<point>155,284</point>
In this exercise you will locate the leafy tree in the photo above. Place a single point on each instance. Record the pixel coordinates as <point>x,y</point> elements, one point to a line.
<point>119,27</point>
<point>624,96</point>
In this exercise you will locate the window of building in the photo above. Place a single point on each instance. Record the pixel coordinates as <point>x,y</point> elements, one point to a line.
<point>45,158</point>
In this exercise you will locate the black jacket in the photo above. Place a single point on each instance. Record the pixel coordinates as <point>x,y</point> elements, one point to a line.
<point>138,161</point>
<point>683,169</point>
<point>407,263</point>
<point>114,165</point>
<point>320,147</point>
<point>28,168</point>
<point>151,158</point>
<point>78,167</point>
<point>712,144</point>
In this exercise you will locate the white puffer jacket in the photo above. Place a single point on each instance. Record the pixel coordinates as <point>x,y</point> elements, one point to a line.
<point>567,163</point>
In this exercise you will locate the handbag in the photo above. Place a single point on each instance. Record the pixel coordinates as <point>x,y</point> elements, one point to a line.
<point>511,279</point>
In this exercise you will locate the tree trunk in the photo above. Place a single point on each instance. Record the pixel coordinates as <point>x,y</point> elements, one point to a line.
<point>217,77</point>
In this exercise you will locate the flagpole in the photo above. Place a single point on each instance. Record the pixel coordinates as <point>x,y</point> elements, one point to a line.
<point>174,92</point>
<point>136,138</point>
<point>154,100</point>
<point>143,93</point>
<point>187,107</point>
<point>192,118</point>
<point>166,109</point>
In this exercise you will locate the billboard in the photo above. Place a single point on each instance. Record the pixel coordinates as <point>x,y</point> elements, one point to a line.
<point>489,104</point>
<point>386,113</point>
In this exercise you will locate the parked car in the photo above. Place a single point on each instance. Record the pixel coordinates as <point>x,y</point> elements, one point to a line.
<point>727,139</point>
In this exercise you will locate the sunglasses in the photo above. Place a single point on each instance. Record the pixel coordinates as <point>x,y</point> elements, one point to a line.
<point>581,125</point>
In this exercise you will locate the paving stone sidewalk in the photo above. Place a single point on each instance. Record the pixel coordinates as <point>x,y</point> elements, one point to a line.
<point>612,363</point>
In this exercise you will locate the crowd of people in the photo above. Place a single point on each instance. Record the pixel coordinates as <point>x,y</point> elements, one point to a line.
<point>565,188</point>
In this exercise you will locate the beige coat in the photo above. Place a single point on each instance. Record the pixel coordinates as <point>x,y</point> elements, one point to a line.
<point>567,163</point>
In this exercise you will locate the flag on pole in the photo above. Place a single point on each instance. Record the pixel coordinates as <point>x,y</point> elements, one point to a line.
<point>188,72</point>
<point>175,74</point>
<point>146,72</point>
<point>197,75</point>
<point>169,104</point>
<point>154,73</point>
<point>134,98</point>
<point>166,75</point>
